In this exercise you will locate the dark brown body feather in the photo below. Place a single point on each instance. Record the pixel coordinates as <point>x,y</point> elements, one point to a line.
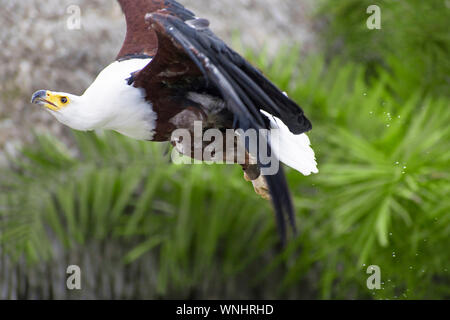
<point>139,40</point>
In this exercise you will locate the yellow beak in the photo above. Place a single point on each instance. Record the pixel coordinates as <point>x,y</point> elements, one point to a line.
<point>43,98</point>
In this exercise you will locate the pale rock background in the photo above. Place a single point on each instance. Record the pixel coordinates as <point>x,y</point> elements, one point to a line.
<point>38,51</point>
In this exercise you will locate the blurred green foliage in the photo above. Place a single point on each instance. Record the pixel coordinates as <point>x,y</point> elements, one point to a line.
<point>381,197</point>
<point>414,41</point>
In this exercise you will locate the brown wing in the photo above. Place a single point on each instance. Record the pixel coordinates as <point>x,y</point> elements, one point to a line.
<point>140,39</point>
<point>190,55</point>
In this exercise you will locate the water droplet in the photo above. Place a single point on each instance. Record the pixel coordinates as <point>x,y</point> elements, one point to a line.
<point>397,163</point>
<point>365,94</point>
<point>410,267</point>
<point>390,233</point>
<point>388,125</point>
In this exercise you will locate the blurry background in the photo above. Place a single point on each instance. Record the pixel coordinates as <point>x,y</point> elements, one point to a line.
<point>140,227</point>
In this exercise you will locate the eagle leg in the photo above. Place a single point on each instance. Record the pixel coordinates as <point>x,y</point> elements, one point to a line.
<point>253,174</point>
<point>189,148</point>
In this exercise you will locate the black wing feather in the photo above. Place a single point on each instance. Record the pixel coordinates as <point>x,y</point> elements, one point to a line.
<point>262,91</point>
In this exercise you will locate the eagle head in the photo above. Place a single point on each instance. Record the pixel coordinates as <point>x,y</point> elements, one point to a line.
<point>52,100</point>
<point>63,106</point>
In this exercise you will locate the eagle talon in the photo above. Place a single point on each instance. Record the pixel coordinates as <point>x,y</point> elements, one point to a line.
<point>260,186</point>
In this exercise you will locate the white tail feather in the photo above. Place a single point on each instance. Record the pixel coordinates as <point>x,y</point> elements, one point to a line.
<point>293,150</point>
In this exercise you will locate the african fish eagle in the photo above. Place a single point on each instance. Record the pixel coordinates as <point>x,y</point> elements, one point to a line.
<point>173,71</point>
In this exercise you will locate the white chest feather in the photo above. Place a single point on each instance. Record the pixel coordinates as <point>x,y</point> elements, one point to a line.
<point>111,104</point>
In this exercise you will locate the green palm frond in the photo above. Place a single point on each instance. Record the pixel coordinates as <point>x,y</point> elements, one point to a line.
<point>381,198</point>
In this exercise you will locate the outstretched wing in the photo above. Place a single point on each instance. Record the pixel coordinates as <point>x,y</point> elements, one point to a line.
<point>190,57</point>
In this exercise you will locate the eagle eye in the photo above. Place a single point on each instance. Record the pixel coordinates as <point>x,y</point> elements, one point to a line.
<point>64,100</point>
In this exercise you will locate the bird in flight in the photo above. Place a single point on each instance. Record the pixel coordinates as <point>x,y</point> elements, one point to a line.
<point>173,72</point>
